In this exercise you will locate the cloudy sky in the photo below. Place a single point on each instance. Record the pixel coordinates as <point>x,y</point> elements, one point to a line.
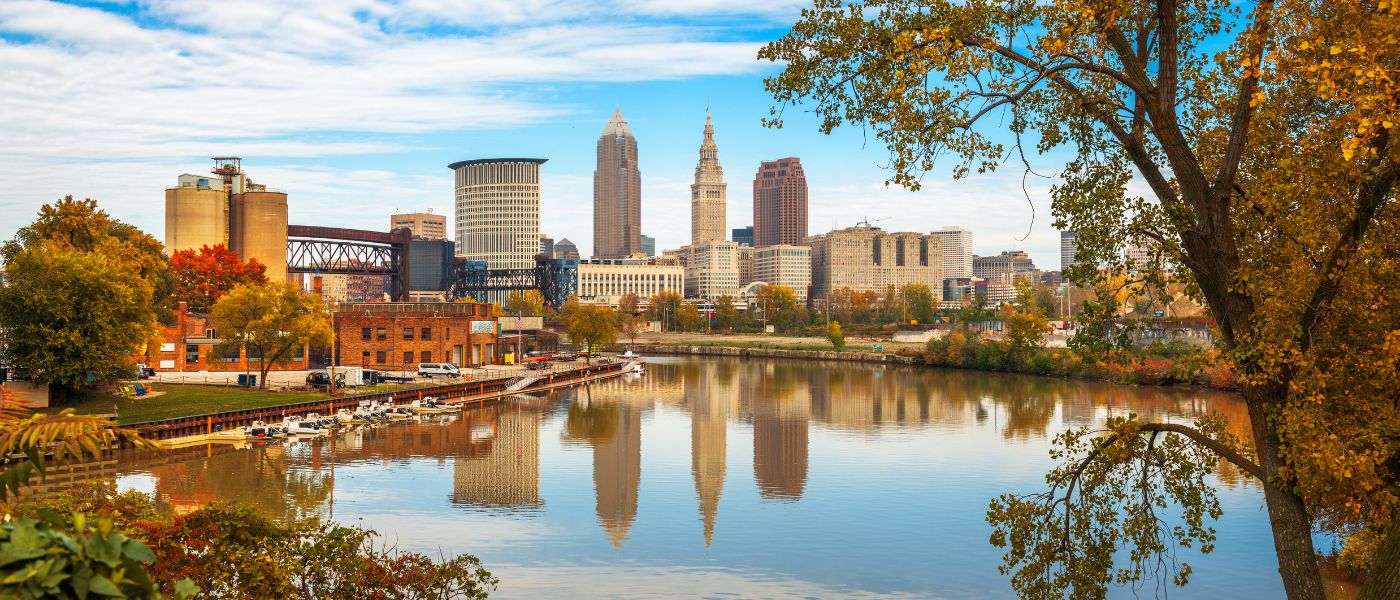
<point>355,107</point>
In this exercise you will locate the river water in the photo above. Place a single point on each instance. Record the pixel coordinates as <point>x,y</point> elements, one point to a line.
<point>722,477</point>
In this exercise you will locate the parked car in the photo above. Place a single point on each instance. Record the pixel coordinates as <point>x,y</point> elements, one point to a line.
<point>144,371</point>
<point>319,380</point>
<point>430,370</point>
<point>536,365</point>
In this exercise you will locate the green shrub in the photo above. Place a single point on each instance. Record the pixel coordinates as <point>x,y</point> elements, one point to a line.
<point>49,557</point>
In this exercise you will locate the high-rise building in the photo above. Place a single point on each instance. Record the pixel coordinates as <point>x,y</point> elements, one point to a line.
<point>742,236</point>
<point>707,194</point>
<point>865,258</point>
<point>648,245</point>
<point>617,192</point>
<point>957,251</point>
<point>424,225</point>
<point>779,203</point>
<point>1006,267</point>
<point>1143,256</point>
<point>1069,246</point>
<point>566,250</point>
<point>712,270</point>
<point>547,246</point>
<point>498,211</point>
<point>785,265</point>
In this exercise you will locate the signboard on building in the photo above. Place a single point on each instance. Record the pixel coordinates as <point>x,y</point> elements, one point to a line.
<point>483,327</point>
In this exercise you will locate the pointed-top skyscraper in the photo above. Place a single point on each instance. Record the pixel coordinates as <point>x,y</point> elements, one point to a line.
<point>617,192</point>
<point>707,194</point>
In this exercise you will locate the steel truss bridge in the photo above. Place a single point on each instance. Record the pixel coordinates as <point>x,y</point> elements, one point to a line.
<point>556,280</point>
<point>336,251</point>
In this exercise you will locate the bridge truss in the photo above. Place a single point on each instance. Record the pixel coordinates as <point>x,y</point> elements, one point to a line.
<point>335,251</point>
<point>555,279</point>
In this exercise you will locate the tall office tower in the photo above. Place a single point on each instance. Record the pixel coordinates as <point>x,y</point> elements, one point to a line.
<point>547,246</point>
<point>424,225</point>
<point>648,245</point>
<point>565,249</point>
<point>742,236</point>
<point>957,251</point>
<point>617,193</point>
<point>779,203</point>
<point>498,211</point>
<point>707,194</point>
<point>1069,246</point>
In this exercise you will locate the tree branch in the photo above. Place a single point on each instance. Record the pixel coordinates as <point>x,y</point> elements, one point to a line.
<point>1244,109</point>
<point>1195,435</point>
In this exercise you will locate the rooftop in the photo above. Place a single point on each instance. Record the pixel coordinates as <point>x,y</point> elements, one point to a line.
<point>484,161</point>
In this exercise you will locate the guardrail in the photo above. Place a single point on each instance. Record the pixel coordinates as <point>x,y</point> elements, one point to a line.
<point>456,393</point>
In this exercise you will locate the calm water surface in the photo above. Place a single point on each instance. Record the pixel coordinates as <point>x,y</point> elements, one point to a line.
<point>718,477</point>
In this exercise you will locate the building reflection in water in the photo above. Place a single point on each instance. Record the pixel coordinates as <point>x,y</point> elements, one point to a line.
<point>614,430</point>
<point>507,474</point>
<point>781,410</point>
<point>713,401</point>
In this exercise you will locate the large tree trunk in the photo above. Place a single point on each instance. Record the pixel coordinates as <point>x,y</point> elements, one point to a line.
<point>1289,519</point>
<point>1383,582</point>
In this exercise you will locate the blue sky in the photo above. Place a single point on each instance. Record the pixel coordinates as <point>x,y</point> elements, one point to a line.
<point>355,108</point>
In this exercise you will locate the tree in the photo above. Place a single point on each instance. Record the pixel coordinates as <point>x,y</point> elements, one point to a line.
<point>632,325</point>
<point>835,335</point>
<point>664,308</point>
<point>202,277</point>
<point>592,326</point>
<point>1025,331</point>
<point>779,306</point>
<point>525,303</point>
<point>1268,143</point>
<point>628,304</point>
<point>270,320</point>
<point>71,317</point>
<point>919,304</point>
<point>79,225</point>
<point>726,314</point>
<point>689,318</point>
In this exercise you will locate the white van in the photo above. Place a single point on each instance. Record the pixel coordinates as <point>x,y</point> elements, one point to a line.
<point>431,370</point>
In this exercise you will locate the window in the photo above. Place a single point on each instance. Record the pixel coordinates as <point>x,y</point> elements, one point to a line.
<point>364,334</point>
<point>408,333</point>
<point>364,357</point>
<point>427,333</point>
<point>381,333</point>
<point>426,356</point>
<point>408,357</point>
<point>380,357</point>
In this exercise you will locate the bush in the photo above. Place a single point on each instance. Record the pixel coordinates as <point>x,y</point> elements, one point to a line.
<point>50,558</point>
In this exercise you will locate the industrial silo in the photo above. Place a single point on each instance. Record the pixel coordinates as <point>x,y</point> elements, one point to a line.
<point>258,229</point>
<point>196,214</point>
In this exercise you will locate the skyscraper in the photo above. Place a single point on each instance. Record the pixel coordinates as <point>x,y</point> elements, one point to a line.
<point>617,192</point>
<point>424,225</point>
<point>957,251</point>
<point>779,203</point>
<point>648,245</point>
<point>707,194</point>
<point>498,211</point>
<point>742,236</point>
<point>1069,246</point>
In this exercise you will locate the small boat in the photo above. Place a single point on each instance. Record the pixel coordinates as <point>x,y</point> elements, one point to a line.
<point>258,430</point>
<point>432,406</point>
<point>300,426</point>
<point>398,412</point>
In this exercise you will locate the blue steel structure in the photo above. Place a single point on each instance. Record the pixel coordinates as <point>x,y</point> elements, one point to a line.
<point>555,278</point>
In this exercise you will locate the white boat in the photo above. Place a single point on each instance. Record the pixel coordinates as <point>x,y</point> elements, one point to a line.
<point>432,406</point>
<point>299,426</point>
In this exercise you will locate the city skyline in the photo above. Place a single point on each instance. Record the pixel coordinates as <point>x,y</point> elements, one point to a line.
<point>349,153</point>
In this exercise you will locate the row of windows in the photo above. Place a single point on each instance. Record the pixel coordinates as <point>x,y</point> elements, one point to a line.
<point>381,357</point>
<point>382,333</point>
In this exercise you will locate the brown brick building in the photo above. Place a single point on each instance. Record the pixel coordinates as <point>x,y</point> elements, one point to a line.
<point>399,335</point>
<point>192,344</point>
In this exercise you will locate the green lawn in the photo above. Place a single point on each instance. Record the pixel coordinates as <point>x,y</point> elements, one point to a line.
<point>180,400</point>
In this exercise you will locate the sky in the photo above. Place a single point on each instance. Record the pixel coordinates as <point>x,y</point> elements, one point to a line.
<point>356,107</point>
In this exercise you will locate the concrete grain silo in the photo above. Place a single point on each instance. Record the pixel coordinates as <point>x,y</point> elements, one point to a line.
<point>258,229</point>
<point>196,214</point>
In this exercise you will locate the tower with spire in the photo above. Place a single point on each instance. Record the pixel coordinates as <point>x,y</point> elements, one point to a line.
<point>617,192</point>
<point>707,194</point>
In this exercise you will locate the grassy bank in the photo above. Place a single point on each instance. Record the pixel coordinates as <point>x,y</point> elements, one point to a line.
<point>180,400</point>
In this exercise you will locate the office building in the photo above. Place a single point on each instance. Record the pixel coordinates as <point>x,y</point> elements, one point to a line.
<point>743,256</point>
<point>399,335</point>
<point>424,225</point>
<point>648,245</point>
<point>957,251</point>
<point>565,250</point>
<point>1069,246</point>
<point>547,246</point>
<point>1144,256</point>
<point>1006,267</point>
<point>707,194</point>
<point>865,258</point>
<point>498,211</point>
<point>779,203</point>
<point>742,236</point>
<point>617,193</point>
<point>712,270</point>
<point>785,265</point>
<point>430,267</point>
<point>606,281</point>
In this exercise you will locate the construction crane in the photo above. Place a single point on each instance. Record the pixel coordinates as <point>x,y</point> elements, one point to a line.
<point>865,222</point>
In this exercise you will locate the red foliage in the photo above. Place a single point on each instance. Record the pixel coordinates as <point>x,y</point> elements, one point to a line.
<point>203,276</point>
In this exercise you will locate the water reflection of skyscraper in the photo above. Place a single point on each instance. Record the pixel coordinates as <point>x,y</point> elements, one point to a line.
<point>617,474</point>
<point>508,475</point>
<point>712,399</point>
<point>781,411</point>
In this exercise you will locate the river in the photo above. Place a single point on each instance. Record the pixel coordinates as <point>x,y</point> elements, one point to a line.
<point>722,477</point>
